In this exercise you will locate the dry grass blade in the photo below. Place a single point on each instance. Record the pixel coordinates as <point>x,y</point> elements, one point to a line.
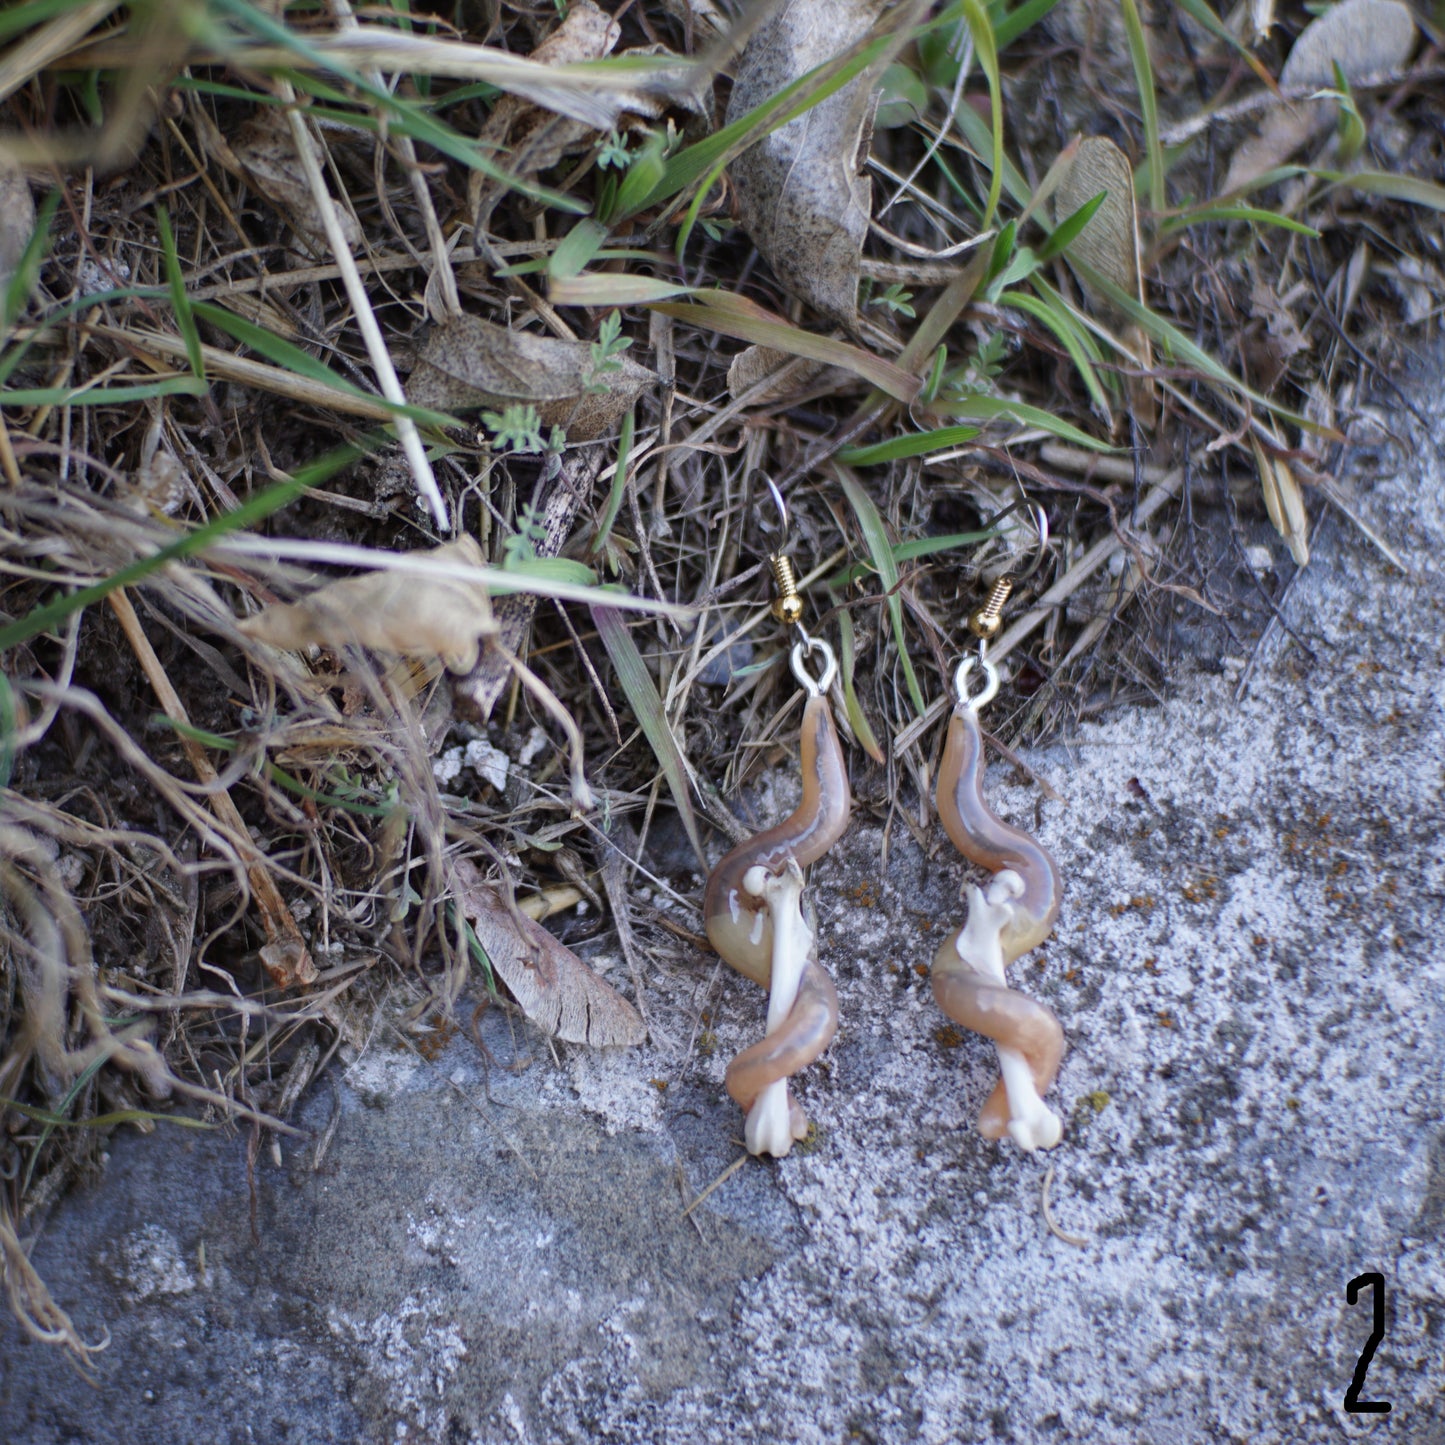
<point>31,55</point>
<point>593,94</point>
<point>376,346</point>
<point>31,1302</point>
<point>746,320</point>
<point>1284,502</point>
<point>285,954</point>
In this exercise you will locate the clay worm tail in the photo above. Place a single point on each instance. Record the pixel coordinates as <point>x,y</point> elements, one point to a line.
<point>1011,1019</point>
<point>805,1033</point>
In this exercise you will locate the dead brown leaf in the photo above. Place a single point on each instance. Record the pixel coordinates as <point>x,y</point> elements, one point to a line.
<point>803,194</point>
<point>530,138</point>
<point>1368,39</point>
<point>555,989</point>
<point>468,363</point>
<point>263,154</point>
<point>753,363</point>
<point>1109,244</point>
<point>389,611</point>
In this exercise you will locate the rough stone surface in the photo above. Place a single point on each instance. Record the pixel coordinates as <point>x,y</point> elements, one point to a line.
<point>1249,972</point>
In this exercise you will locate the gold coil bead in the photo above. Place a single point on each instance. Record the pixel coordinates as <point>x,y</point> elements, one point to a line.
<point>987,621</point>
<point>788,604</point>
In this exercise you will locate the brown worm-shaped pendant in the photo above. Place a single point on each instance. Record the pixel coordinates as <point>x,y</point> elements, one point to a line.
<point>754,917</point>
<point>1014,914</point>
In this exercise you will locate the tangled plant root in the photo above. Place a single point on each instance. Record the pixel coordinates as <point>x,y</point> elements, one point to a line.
<point>32,1303</point>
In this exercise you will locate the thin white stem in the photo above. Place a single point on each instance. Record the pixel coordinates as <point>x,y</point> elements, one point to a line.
<point>376,349</point>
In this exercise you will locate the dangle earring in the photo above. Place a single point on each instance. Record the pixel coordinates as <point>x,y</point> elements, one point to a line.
<point>753,904</point>
<point>1013,914</point>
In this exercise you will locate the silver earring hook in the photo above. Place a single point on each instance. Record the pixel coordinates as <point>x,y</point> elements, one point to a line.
<point>1041,526</point>
<point>782,506</point>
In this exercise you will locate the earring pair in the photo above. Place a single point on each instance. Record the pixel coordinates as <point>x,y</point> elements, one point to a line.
<point>753,907</point>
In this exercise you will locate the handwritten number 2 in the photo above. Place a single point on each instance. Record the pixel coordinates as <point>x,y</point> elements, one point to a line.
<point>1374,1281</point>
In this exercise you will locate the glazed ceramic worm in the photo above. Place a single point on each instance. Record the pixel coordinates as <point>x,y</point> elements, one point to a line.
<point>738,924</point>
<point>753,908</point>
<point>1014,914</point>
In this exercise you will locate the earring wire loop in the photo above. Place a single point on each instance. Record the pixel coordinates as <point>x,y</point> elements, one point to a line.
<point>804,648</point>
<point>960,681</point>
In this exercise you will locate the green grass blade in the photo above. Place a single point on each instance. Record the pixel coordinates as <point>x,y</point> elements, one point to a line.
<point>290,357</point>
<point>619,486</point>
<point>1019,20</point>
<point>175,278</point>
<point>577,248</point>
<point>275,773</point>
<point>975,131</point>
<point>986,48</point>
<point>713,152</point>
<point>899,448</point>
<point>1395,188</point>
<point>910,551</point>
<point>552,571</point>
<point>990,408</point>
<point>880,548</point>
<point>642,697</point>
<point>1256,217</point>
<point>104,395</point>
<point>608,288</point>
<point>22,283</point>
<point>8,729</point>
<point>640,179</point>
<point>847,666</point>
<point>1181,347</point>
<point>16,354</point>
<point>474,947</point>
<point>1199,11</point>
<point>1148,101</point>
<point>1068,229</point>
<point>1073,338</point>
<point>36,12</point>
